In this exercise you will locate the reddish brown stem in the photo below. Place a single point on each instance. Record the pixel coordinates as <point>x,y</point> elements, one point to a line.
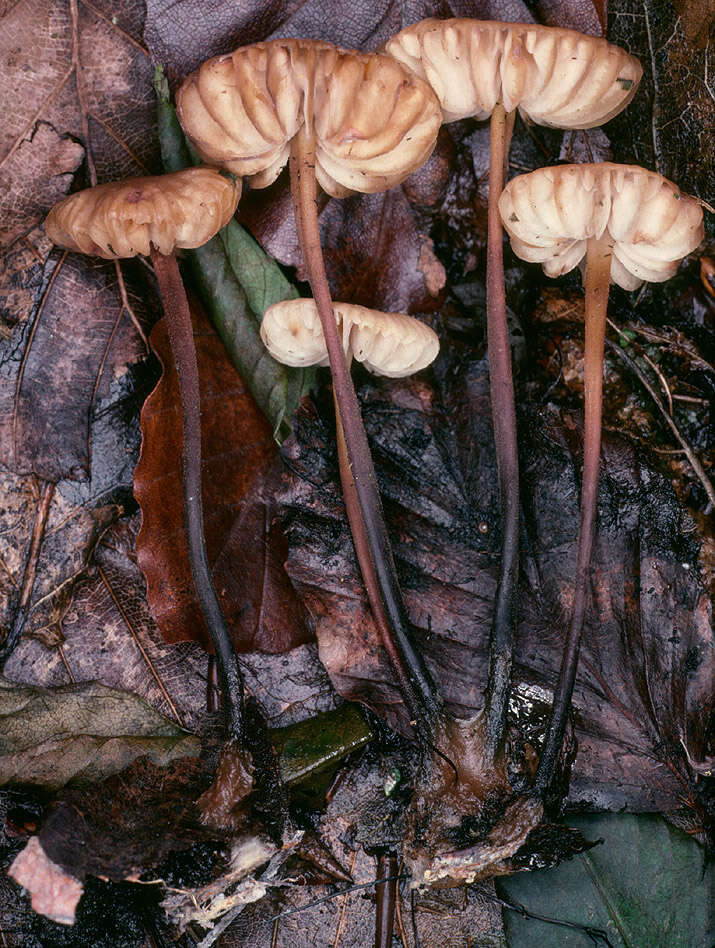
<point>598,276</point>
<point>362,497</point>
<point>386,892</point>
<point>505,442</point>
<point>181,337</point>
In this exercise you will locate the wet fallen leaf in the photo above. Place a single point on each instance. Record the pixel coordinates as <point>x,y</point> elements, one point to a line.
<point>644,688</point>
<point>668,126</point>
<point>108,629</point>
<point>241,471</point>
<point>70,70</point>
<point>81,733</point>
<point>646,884</point>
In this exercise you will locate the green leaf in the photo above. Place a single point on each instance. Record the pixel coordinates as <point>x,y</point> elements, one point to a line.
<point>238,282</point>
<point>81,733</point>
<point>645,886</point>
<point>315,744</point>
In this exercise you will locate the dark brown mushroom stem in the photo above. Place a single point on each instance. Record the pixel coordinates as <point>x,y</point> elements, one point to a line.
<point>362,497</point>
<point>598,275</point>
<point>178,320</point>
<point>505,441</point>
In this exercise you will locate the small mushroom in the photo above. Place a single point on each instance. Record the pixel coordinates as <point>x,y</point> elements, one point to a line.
<point>348,121</point>
<point>390,344</point>
<point>630,225</point>
<point>152,216</point>
<point>394,345</point>
<point>554,77</point>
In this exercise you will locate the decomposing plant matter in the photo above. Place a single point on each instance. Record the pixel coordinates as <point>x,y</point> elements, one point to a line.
<point>153,216</point>
<point>554,77</point>
<point>631,225</point>
<point>348,121</point>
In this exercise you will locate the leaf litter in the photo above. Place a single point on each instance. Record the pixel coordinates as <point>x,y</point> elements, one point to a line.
<point>611,741</point>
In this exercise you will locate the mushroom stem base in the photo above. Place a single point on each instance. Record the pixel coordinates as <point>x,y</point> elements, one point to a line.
<point>501,386</point>
<point>598,275</point>
<point>181,337</point>
<point>360,490</point>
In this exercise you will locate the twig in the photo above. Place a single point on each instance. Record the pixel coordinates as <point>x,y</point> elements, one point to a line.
<point>30,571</point>
<point>593,933</point>
<point>689,453</point>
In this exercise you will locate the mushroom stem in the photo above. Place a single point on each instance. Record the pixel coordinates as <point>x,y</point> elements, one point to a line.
<point>362,497</point>
<point>178,320</point>
<point>501,644</point>
<point>598,274</point>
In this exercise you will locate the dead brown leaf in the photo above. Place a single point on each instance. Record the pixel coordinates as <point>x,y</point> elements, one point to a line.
<point>70,70</point>
<point>241,469</point>
<point>644,689</point>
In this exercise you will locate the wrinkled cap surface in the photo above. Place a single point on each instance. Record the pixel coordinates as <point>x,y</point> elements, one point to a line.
<point>390,344</point>
<point>374,121</point>
<point>550,214</point>
<point>125,218</point>
<point>554,76</point>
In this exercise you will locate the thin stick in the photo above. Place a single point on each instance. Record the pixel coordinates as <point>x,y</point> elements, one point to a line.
<point>501,386</point>
<point>178,319</point>
<point>22,610</point>
<point>371,540</point>
<point>598,276</point>
<point>697,467</point>
<point>386,892</point>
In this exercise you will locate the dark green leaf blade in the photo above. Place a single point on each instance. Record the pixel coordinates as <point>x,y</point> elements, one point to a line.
<point>646,885</point>
<point>82,733</point>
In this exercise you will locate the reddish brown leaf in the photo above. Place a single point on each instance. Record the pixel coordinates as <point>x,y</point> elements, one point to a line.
<point>240,468</point>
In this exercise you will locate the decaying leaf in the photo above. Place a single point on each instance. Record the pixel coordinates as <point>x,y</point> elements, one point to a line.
<point>70,69</point>
<point>241,471</point>
<point>80,733</point>
<point>107,627</point>
<point>646,884</point>
<point>644,688</point>
<point>54,893</point>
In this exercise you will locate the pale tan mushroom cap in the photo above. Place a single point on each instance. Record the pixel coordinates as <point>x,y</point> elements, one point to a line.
<point>374,121</point>
<point>554,76</point>
<point>551,213</point>
<point>390,344</point>
<point>125,218</point>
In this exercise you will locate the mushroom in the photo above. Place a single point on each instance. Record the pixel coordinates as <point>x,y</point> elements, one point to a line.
<point>348,121</point>
<point>554,77</point>
<point>631,225</point>
<point>152,216</point>
<point>394,345</point>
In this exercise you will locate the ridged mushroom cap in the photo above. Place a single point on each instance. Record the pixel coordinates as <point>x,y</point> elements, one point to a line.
<point>390,344</point>
<point>374,121</point>
<point>125,218</point>
<point>554,76</point>
<point>550,214</point>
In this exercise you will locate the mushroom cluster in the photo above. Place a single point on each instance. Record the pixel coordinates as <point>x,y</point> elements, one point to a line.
<point>557,77</point>
<point>353,122</point>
